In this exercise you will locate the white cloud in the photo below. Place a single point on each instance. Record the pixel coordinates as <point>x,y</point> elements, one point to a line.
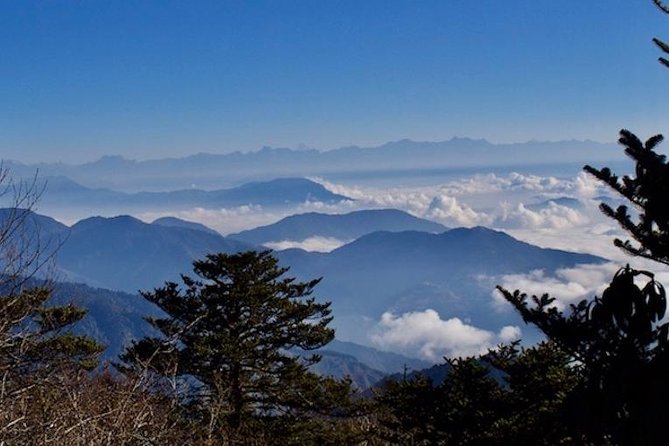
<point>314,244</point>
<point>498,201</point>
<point>448,210</point>
<point>509,333</point>
<point>553,216</point>
<point>587,186</point>
<point>567,286</point>
<point>225,220</point>
<point>433,338</point>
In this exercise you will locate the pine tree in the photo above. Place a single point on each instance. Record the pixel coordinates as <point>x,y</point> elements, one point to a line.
<point>34,337</point>
<point>620,341</point>
<point>648,192</point>
<point>37,345</point>
<point>509,396</point>
<point>661,44</point>
<point>231,331</point>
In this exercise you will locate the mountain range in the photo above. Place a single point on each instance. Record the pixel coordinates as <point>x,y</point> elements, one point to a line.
<point>345,227</point>
<point>63,193</point>
<point>452,272</point>
<point>116,318</point>
<point>213,171</point>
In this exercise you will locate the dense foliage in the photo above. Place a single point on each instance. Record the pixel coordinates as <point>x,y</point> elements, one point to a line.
<point>509,396</point>
<point>619,341</point>
<point>229,334</point>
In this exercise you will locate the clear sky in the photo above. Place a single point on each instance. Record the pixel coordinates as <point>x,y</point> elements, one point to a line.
<point>149,79</point>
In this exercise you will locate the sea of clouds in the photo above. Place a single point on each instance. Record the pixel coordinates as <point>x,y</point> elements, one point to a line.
<point>543,210</point>
<point>516,203</point>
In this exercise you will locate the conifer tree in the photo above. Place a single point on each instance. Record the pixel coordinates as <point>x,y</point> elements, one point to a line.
<point>34,336</point>
<point>231,330</point>
<point>648,192</point>
<point>620,340</point>
<point>37,346</point>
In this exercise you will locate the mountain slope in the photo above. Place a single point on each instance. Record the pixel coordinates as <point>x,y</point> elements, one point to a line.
<point>62,192</point>
<point>114,318</point>
<point>340,226</point>
<point>123,253</point>
<point>179,223</point>
<point>386,362</point>
<point>340,365</point>
<point>452,273</point>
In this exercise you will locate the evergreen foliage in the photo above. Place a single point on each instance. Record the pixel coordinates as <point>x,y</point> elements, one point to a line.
<point>34,337</point>
<point>620,348</point>
<point>619,341</point>
<point>648,192</point>
<point>661,44</point>
<point>509,396</point>
<point>228,331</point>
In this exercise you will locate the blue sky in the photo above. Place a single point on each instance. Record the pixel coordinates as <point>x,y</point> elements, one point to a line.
<point>149,79</point>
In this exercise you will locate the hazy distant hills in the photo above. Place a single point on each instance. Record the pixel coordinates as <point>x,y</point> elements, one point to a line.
<point>116,318</point>
<point>222,170</point>
<point>413,271</point>
<point>568,202</point>
<point>343,227</point>
<point>339,365</point>
<point>62,192</point>
<point>179,223</point>
<point>124,253</point>
<point>386,362</point>
<point>452,272</point>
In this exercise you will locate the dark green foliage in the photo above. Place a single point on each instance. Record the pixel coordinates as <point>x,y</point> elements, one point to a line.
<point>619,347</point>
<point>619,342</point>
<point>407,412</point>
<point>648,192</point>
<point>662,45</point>
<point>474,406</point>
<point>35,338</point>
<point>537,381</point>
<point>229,330</point>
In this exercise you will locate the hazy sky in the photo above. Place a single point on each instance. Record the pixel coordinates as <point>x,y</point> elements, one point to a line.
<point>79,79</point>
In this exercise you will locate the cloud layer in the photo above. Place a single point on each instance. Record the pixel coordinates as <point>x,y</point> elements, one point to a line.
<point>314,244</point>
<point>501,201</point>
<point>425,334</point>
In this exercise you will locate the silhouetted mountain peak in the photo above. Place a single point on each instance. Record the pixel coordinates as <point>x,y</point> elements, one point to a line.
<point>342,227</point>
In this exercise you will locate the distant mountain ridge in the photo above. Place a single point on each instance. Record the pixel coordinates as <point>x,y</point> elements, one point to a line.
<point>179,223</point>
<point>343,227</point>
<point>386,362</point>
<point>340,365</point>
<point>210,170</point>
<point>116,318</point>
<point>124,253</point>
<point>452,273</point>
<point>62,192</point>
